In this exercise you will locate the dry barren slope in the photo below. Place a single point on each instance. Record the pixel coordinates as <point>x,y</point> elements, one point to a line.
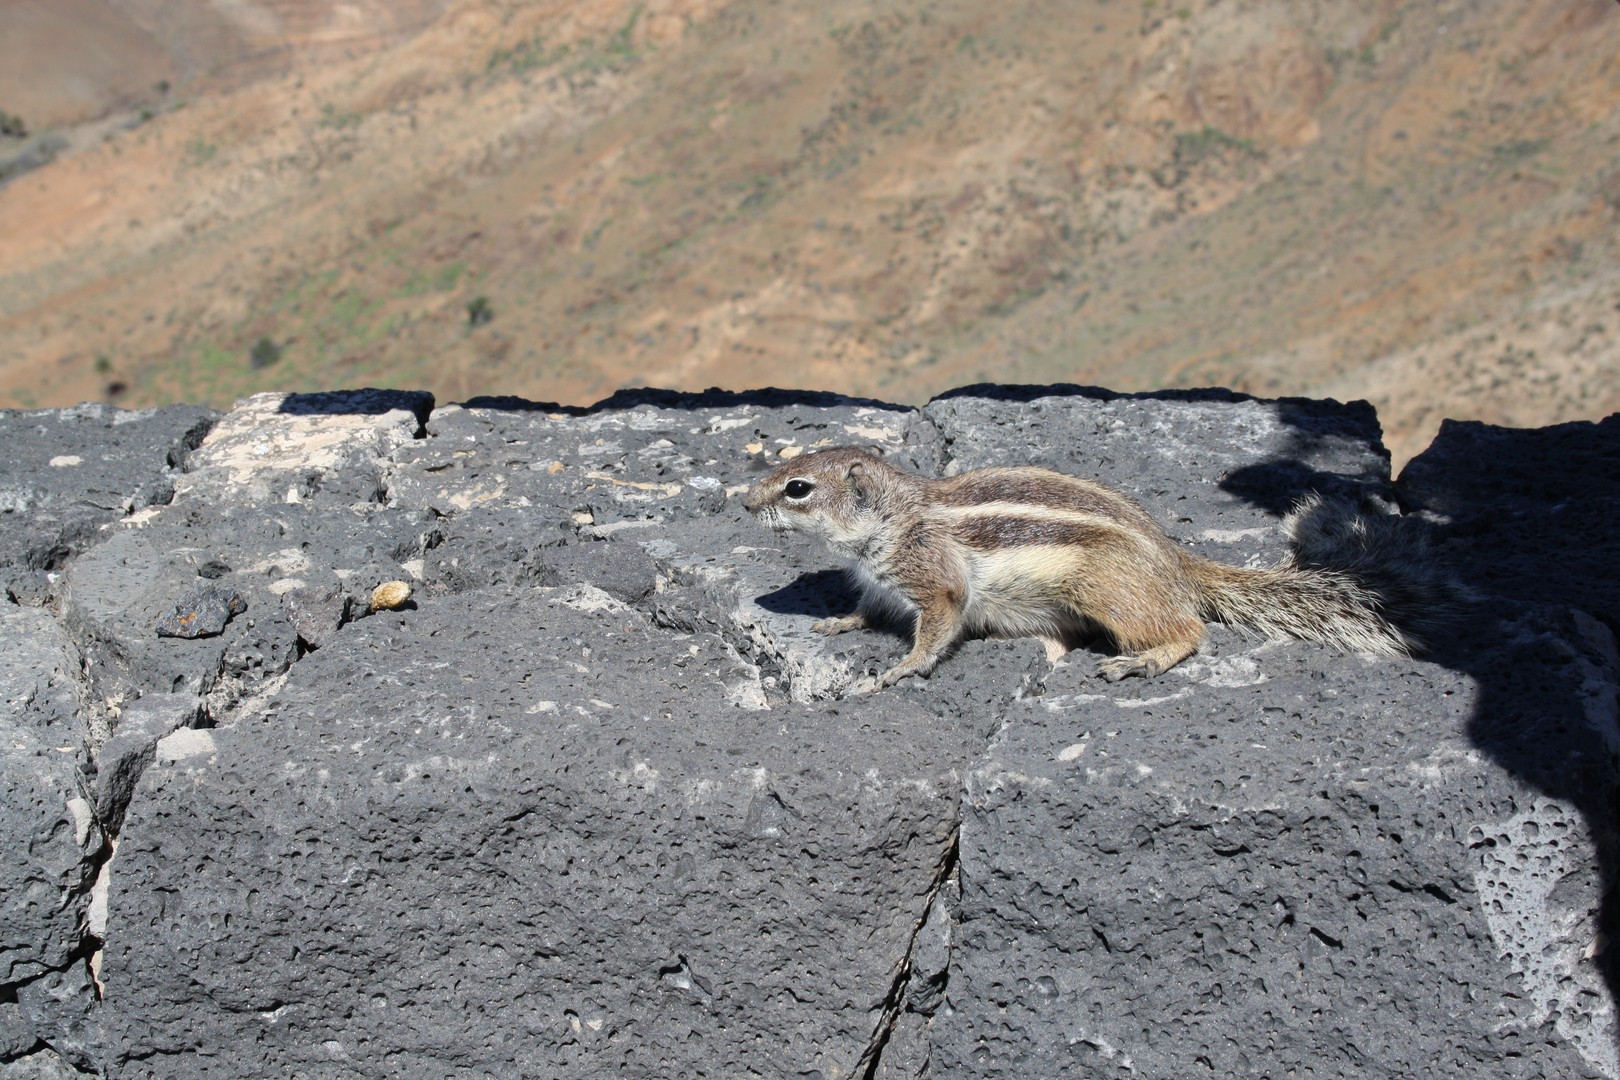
<point>100,61</point>
<point>1409,202</point>
<point>65,61</point>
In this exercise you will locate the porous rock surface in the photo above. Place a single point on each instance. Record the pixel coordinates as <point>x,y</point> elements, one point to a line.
<point>596,801</point>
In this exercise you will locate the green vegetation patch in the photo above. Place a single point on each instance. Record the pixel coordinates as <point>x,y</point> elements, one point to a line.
<point>619,44</point>
<point>443,279</point>
<point>1511,153</point>
<point>1194,147</point>
<point>531,55</point>
<point>263,354</point>
<point>338,121</point>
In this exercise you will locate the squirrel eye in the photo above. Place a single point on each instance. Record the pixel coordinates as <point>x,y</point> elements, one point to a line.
<point>798,489</point>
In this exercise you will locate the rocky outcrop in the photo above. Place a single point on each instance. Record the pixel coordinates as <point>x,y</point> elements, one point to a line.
<point>594,800</point>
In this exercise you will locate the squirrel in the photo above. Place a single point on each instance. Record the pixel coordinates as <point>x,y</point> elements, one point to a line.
<point>1025,551</point>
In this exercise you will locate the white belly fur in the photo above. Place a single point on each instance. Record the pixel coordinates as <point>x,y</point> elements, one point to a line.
<point>1019,592</point>
<point>1016,592</point>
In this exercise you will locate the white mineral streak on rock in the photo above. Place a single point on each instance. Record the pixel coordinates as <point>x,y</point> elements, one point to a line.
<point>255,447</point>
<point>1541,891</point>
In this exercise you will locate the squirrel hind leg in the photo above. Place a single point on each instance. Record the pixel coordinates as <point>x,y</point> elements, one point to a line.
<point>1147,663</point>
<point>1140,655</point>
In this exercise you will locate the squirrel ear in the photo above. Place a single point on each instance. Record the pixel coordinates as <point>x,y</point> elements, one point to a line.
<point>875,450</point>
<point>855,475</point>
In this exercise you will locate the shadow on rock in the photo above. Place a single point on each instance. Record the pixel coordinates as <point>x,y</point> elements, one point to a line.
<point>766,397</point>
<point>1276,485</point>
<point>820,593</point>
<point>1527,517</point>
<point>828,593</point>
<point>366,402</point>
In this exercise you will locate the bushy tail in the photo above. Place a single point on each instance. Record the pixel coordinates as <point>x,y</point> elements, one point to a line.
<point>1367,583</point>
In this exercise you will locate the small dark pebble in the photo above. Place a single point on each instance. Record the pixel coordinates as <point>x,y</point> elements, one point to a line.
<point>202,611</point>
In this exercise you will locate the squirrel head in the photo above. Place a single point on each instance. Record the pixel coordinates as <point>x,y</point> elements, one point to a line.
<point>836,494</point>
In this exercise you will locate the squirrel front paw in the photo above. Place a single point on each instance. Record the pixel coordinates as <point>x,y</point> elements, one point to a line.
<point>873,683</point>
<point>869,685</point>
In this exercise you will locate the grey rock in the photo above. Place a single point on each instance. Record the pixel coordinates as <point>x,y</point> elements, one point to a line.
<point>17,1037</point>
<point>66,472</point>
<point>115,593</point>
<point>201,611</point>
<point>1293,862</point>
<point>39,674</point>
<point>497,545</point>
<point>53,847</point>
<point>529,492</point>
<point>633,464</point>
<point>907,1051</point>
<point>40,1065</point>
<point>1260,840</point>
<point>33,588</point>
<point>58,1007</point>
<point>50,841</point>
<point>515,546</point>
<point>905,1055</point>
<point>623,571</point>
<point>316,612</point>
<point>119,761</point>
<point>579,828</point>
<point>930,954</point>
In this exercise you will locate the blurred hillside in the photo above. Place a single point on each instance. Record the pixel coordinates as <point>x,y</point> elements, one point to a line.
<point>1414,203</point>
<point>66,61</point>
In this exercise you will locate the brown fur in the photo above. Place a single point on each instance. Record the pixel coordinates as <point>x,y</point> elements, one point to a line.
<point>1028,551</point>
